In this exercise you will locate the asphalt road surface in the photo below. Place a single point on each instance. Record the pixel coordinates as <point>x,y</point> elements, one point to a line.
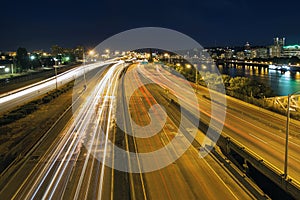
<point>82,160</point>
<point>261,131</point>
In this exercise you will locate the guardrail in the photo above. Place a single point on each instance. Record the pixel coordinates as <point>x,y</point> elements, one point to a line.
<point>290,186</point>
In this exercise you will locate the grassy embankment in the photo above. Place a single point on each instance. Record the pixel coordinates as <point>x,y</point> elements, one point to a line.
<point>21,127</point>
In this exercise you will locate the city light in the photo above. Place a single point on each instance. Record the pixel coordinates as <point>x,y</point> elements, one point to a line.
<point>91,52</point>
<point>245,125</point>
<point>188,66</point>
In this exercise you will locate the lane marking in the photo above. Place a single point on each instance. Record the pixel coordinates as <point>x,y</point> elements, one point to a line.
<point>258,138</point>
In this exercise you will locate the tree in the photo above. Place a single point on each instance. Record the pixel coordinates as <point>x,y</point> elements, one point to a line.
<point>22,59</point>
<point>56,50</point>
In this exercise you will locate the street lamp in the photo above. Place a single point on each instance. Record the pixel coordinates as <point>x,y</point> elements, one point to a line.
<point>196,68</point>
<point>290,96</point>
<point>167,56</point>
<point>189,66</point>
<point>91,52</point>
<point>55,69</point>
<point>84,70</point>
<point>107,51</point>
<point>91,55</point>
<point>12,68</point>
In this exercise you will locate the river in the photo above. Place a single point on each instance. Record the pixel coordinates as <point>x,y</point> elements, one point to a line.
<point>281,83</point>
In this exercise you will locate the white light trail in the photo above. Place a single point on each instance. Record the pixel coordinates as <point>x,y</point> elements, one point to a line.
<point>42,87</point>
<point>91,113</point>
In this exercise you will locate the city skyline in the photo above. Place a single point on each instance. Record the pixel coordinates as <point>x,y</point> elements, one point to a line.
<point>215,23</point>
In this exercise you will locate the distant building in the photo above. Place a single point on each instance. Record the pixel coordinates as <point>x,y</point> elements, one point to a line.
<point>261,53</point>
<point>229,53</point>
<point>10,55</point>
<point>240,55</point>
<point>291,50</point>
<point>279,42</point>
<point>276,50</point>
<point>247,46</point>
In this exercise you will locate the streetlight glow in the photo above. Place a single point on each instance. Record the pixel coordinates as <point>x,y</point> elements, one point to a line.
<point>91,52</point>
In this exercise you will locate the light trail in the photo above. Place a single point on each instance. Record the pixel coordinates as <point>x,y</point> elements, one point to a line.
<point>236,126</point>
<point>21,95</point>
<point>93,112</point>
<point>102,90</point>
<point>165,134</point>
<point>74,165</point>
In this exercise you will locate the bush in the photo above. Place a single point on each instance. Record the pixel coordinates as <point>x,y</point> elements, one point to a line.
<point>32,106</point>
<point>47,99</point>
<point>29,108</point>
<point>15,115</point>
<point>4,121</point>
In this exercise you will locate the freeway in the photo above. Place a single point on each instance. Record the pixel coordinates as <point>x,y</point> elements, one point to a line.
<point>260,131</point>
<point>25,94</point>
<point>16,82</point>
<point>70,166</point>
<point>65,167</point>
<point>189,176</point>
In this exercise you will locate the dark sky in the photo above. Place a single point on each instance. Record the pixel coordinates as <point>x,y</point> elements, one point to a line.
<point>40,24</point>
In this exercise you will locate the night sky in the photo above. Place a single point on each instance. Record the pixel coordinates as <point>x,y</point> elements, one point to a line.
<point>40,24</point>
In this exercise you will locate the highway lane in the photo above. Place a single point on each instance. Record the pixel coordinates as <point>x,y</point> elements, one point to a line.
<point>44,142</point>
<point>25,94</point>
<point>258,130</point>
<point>31,78</point>
<point>71,167</point>
<point>189,177</point>
<point>53,175</point>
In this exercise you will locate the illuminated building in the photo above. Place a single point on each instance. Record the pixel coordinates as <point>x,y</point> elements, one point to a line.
<point>291,50</point>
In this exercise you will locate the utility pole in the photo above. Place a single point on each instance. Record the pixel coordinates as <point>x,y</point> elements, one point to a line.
<point>84,70</point>
<point>55,69</point>
<point>287,137</point>
<point>196,81</point>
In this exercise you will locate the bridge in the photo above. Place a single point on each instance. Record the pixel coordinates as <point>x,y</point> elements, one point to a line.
<point>282,102</point>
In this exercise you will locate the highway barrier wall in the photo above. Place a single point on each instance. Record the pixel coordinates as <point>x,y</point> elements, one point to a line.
<point>229,145</point>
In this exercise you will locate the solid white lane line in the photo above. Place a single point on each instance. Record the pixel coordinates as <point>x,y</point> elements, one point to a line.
<point>258,138</point>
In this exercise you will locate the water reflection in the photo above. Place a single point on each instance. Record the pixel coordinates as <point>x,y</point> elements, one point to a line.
<point>281,83</point>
